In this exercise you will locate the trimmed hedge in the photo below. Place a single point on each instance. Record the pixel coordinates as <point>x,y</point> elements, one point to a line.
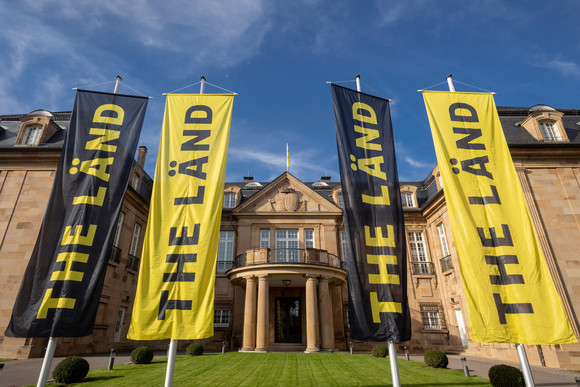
<point>71,370</point>
<point>194,349</point>
<point>142,355</point>
<point>436,359</point>
<point>380,351</point>
<point>502,375</point>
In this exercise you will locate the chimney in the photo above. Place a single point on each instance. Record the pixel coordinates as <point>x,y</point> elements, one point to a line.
<point>325,178</point>
<point>248,179</point>
<point>141,156</point>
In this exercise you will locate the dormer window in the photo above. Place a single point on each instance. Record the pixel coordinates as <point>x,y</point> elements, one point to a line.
<point>407,200</point>
<point>31,135</point>
<point>550,131</point>
<point>229,200</point>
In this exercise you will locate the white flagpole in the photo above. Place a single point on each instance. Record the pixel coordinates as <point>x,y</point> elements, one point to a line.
<point>117,84</point>
<point>172,351</point>
<point>49,355</point>
<point>528,377</point>
<point>391,344</point>
<point>46,362</point>
<point>170,363</point>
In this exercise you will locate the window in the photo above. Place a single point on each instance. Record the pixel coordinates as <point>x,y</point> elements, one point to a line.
<point>432,316</point>
<point>309,239</point>
<point>407,200</point>
<point>118,230</point>
<point>229,200</point>
<point>135,240</point>
<point>135,182</point>
<point>443,239</point>
<point>221,318</point>
<point>265,238</point>
<point>31,135</point>
<point>345,245</point>
<point>287,246</point>
<point>225,251</point>
<point>340,201</point>
<point>550,131</point>
<point>418,253</point>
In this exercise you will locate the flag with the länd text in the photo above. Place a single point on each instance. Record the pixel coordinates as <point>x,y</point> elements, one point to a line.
<point>61,289</point>
<point>175,291</point>
<point>510,294</point>
<point>377,268</point>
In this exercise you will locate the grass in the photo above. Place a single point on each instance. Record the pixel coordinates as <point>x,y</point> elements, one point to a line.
<point>279,369</point>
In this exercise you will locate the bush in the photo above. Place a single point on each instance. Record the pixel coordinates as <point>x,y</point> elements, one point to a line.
<point>194,349</point>
<point>71,370</point>
<point>501,375</point>
<point>380,351</point>
<point>436,359</point>
<point>142,355</point>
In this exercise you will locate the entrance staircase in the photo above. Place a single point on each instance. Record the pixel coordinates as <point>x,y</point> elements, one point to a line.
<point>287,347</point>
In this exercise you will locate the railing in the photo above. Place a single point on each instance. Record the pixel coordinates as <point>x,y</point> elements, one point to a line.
<point>446,263</point>
<point>115,254</point>
<point>282,256</point>
<point>133,263</point>
<point>420,267</point>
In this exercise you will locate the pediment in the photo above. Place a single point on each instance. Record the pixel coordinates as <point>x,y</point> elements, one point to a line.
<point>287,194</point>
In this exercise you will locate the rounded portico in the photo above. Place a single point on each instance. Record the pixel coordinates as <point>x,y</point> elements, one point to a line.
<point>287,297</point>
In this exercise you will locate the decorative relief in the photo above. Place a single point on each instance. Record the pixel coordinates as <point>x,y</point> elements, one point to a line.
<point>286,200</point>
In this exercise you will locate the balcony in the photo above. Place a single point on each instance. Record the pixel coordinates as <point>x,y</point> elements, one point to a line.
<point>287,256</point>
<point>446,263</point>
<point>422,268</point>
<point>133,263</point>
<point>115,254</point>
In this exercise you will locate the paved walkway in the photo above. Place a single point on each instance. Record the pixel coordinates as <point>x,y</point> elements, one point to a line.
<point>22,372</point>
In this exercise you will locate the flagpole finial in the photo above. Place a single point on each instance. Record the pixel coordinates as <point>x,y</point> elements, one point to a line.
<point>202,85</point>
<point>450,82</point>
<point>117,84</point>
<point>357,78</point>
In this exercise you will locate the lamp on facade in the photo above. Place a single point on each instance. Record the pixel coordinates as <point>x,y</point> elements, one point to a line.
<point>286,282</point>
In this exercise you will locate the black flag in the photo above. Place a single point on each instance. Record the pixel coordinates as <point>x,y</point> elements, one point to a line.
<point>377,269</point>
<point>62,285</point>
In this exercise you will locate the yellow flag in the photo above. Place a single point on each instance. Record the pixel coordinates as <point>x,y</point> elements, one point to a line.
<point>175,291</point>
<point>510,295</point>
<point>287,157</point>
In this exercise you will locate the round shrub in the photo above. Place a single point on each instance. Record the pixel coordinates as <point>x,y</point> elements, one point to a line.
<point>142,355</point>
<point>379,351</point>
<point>436,359</point>
<point>501,375</point>
<point>194,349</point>
<point>71,370</point>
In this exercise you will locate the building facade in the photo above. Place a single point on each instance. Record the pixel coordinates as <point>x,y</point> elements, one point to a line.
<point>281,279</point>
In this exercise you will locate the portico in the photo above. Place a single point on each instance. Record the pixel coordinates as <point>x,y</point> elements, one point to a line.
<point>287,302</point>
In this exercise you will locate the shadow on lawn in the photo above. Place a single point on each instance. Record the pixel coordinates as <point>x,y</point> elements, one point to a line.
<point>101,378</point>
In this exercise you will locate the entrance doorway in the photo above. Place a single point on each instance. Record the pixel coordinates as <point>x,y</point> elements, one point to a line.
<point>288,320</point>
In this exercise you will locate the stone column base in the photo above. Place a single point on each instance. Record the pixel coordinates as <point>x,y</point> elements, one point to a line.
<point>263,350</point>
<point>312,350</point>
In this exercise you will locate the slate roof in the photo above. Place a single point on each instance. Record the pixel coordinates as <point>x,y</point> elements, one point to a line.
<point>515,135</point>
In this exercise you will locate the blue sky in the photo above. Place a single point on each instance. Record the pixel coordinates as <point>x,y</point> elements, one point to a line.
<point>278,56</point>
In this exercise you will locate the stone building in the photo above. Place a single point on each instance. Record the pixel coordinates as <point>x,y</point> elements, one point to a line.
<point>281,281</point>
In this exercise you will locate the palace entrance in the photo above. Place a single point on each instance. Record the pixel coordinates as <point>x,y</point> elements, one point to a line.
<point>288,320</point>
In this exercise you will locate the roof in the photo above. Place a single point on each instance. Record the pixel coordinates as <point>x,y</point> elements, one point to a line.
<point>515,135</point>
<point>10,126</point>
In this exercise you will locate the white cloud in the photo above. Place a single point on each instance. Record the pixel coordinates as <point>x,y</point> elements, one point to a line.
<point>566,68</point>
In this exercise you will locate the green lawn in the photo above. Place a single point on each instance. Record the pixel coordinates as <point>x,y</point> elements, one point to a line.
<point>279,369</point>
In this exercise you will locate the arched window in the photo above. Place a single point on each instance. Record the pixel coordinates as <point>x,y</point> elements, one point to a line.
<point>407,200</point>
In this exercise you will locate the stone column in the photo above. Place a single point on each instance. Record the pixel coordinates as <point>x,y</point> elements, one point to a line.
<point>263,323</point>
<point>325,315</point>
<point>312,324</point>
<point>250,315</point>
